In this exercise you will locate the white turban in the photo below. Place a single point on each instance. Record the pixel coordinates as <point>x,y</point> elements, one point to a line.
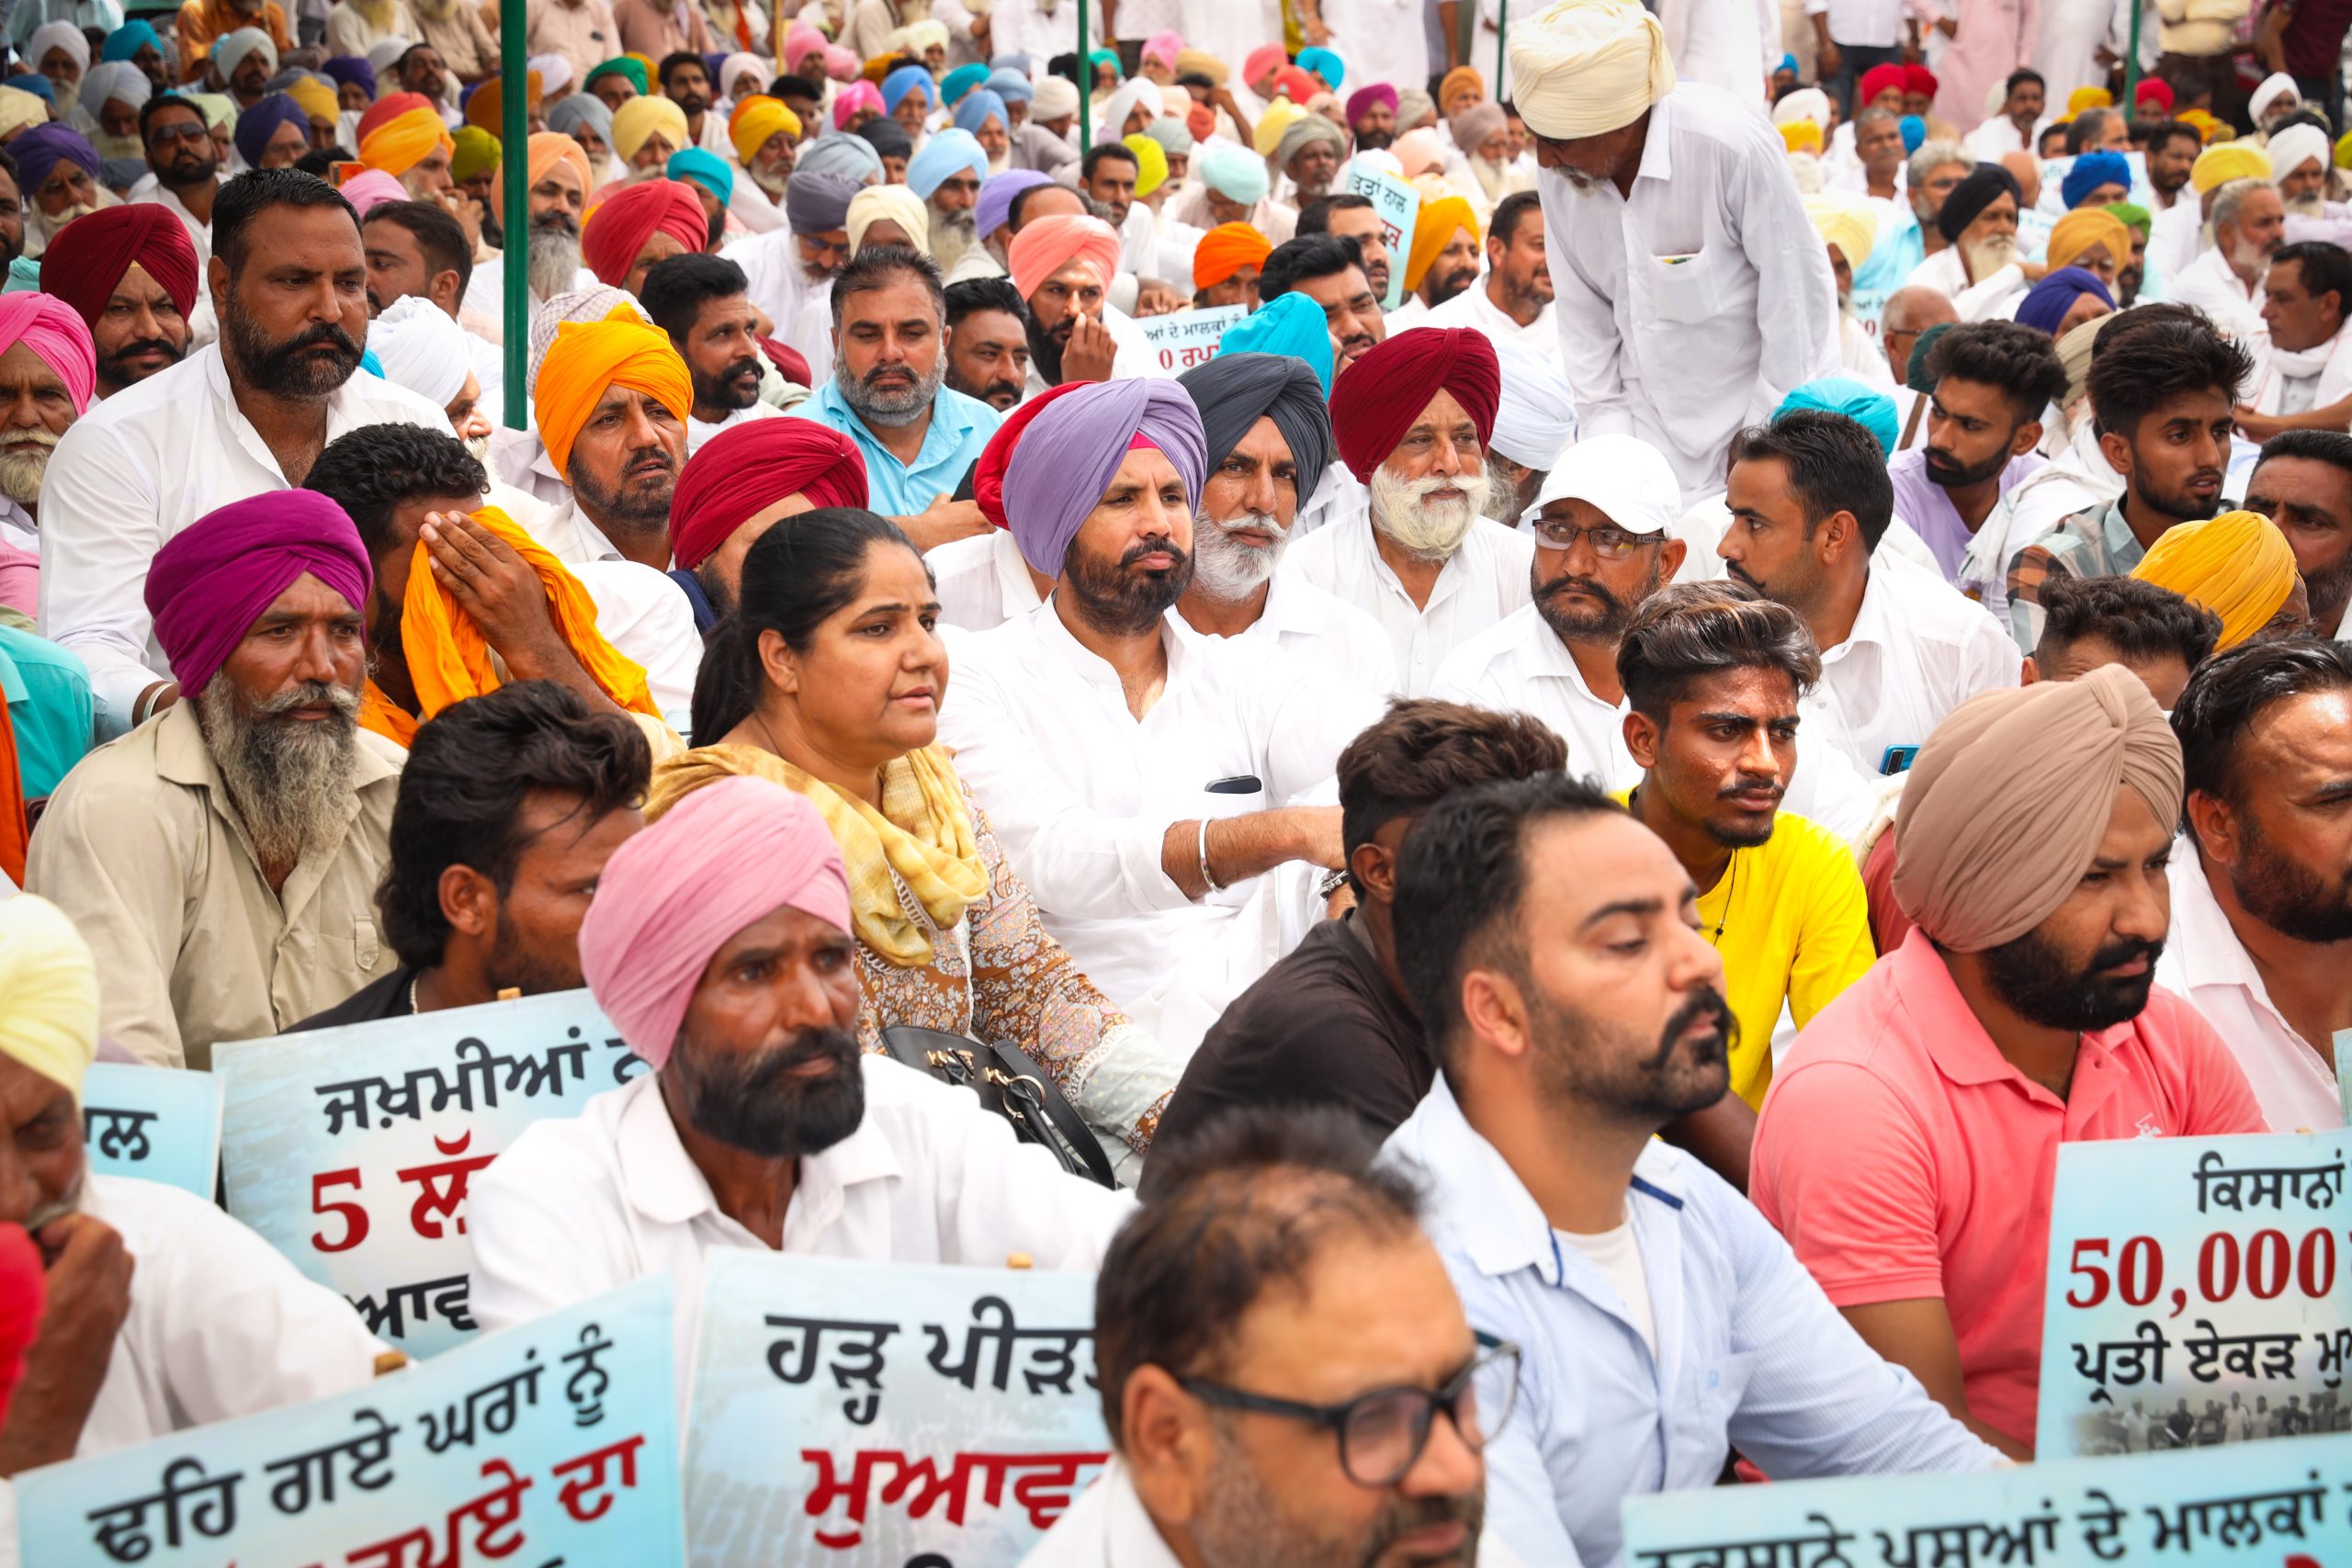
<point>555,75</point>
<point>230,51</point>
<point>1057,97</point>
<point>2292,148</point>
<point>1582,67</point>
<point>1806,102</point>
<point>2276,85</point>
<point>386,53</point>
<point>422,348</point>
<point>1537,413</point>
<point>1135,93</point>
<point>1626,478</point>
<point>57,35</point>
<point>117,81</point>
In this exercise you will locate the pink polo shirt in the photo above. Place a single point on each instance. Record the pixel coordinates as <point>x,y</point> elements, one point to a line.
<point>1902,1157</point>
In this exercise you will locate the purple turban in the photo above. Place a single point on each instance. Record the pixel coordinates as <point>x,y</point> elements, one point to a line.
<point>259,123</point>
<point>997,191</point>
<point>211,580</point>
<point>728,854</point>
<point>38,152</point>
<point>1363,98</point>
<point>1070,452</point>
<point>2046,303</point>
<point>350,69</point>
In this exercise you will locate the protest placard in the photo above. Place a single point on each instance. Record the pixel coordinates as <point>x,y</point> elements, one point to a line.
<point>350,1150</point>
<point>1185,338</point>
<point>558,1434</point>
<point>868,1415</point>
<point>158,1123</point>
<point>2252,1503</point>
<point>1398,206</point>
<point>2197,1294</point>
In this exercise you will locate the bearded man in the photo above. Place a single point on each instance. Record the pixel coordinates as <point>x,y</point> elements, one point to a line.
<point>1978,265</point>
<point>48,370</point>
<point>558,198</point>
<point>58,170</point>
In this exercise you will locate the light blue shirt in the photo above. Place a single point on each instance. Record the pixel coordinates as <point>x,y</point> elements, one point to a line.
<point>51,710</point>
<point>1749,1352</point>
<point>960,427</point>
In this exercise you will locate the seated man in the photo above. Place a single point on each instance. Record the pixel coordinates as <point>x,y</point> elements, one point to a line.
<point>47,369</point>
<point>1274,1265</point>
<point>718,944</point>
<point>1552,948</point>
<point>611,398</point>
<point>394,482</point>
<point>1329,1024</point>
<point>509,807</point>
<point>1063,267</point>
<point>222,858</point>
<point>1714,674</point>
<point>2261,926</point>
<point>129,272</point>
<point>1422,561</point>
<point>550,250</point>
<point>1906,1150</point>
<point>1142,778</point>
<point>162,1313</point>
<point>742,480</point>
<point>2151,631</point>
<point>699,301</point>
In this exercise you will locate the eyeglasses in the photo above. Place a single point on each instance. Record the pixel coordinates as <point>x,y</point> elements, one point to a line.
<point>164,135</point>
<point>1383,1433</point>
<point>1609,541</point>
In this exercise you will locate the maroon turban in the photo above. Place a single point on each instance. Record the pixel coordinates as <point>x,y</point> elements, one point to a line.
<point>212,579</point>
<point>746,468</point>
<point>617,230</point>
<point>1379,397</point>
<point>90,255</point>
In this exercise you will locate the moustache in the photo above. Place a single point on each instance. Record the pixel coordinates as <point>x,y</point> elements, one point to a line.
<point>1703,1004</point>
<point>1156,546</point>
<point>138,346</point>
<point>554,222</point>
<point>1559,586</point>
<point>809,1045</point>
<point>2123,952</point>
<point>1747,783</point>
<point>344,700</point>
<point>325,335</point>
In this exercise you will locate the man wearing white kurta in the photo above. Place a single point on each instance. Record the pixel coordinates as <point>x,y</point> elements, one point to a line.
<point>1694,294</point>
<point>2305,295</point>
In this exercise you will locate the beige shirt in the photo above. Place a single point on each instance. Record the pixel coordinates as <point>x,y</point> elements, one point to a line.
<point>585,34</point>
<point>143,847</point>
<point>464,43</point>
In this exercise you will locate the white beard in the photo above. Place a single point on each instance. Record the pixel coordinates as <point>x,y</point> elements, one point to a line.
<point>1429,530</point>
<point>1988,256</point>
<point>20,472</point>
<point>1225,570</point>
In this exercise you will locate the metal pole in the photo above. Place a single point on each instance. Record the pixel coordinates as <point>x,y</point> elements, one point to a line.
<point>513,176</point>
<point>2132,62</point>
<point>1502,26</point>
<point>1085,86</point>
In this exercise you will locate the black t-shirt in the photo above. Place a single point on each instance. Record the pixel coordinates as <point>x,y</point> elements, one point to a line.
<point>1322,1027</point>
<point>387,996</point>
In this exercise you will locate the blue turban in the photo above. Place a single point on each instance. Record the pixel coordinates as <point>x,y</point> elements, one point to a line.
<point>349,69</point>
<point>1915,133</point>
<point>1234,171</point>
<point>128,40</point>
<point>1866,406</point>
<point>1017,60</point>
<point>1012,86</point>
<point>1789,64</point>
<point>997,191</point>
<point>35,84</point>
<point>259,123</point>
<point>960,81</point>
<point>904,80</point>
<point>706,169</point>
<point>38,151</point>
<point>838,153</point>
<point>2047,302</point>
<point>947,151</point>
<point>1324,64</point>
<point>976,109</point>
<point>2091,171</point>
<point>1292,324</point>
<point>1063,461</point>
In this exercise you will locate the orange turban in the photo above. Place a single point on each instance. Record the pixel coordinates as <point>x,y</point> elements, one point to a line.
<point>1226,250</point>
<point>1434,231</point>
<point>618,230</point>
<point>588,357</point>
<point>1045,247</point>
<point>399,141</point>
<point>548,148</point>
<point>487,105</point>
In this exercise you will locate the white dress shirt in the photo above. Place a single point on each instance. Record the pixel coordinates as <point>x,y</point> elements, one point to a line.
<point>646,617</point>
<point>773,278</point>
<point>2210,285</point>
<point>983,580</point>
<point>2174,236</point>
<point>135,470</point>
<point>1339,494</point>
<point>1341,644</point>
<point>1665,329</point>
<point>2204,962</point>
<point>1750,1352</point>
<point>220,1325</point>
<point>1482,582</point>
<point>699,431</point>
<point>486,289</point>
<point>1918,649</point>
<point>578,1207</point>
<point>1873,24</point>
<point>1081,793</point>
<point>1472,307</point>
<point>153,190</point>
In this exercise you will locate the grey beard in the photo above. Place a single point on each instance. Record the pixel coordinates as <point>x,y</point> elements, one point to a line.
<point>1225,571</point>
<point>1400,511</point>
<point>951,236</point>
<point>889,410</point>
<point>553,261</point>
<point>20,475</point>
<point>291,782</point>
<point>770,181</point>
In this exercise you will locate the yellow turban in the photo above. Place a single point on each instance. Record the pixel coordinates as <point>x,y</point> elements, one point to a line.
<point>1581,67</point>
<point>1802,136</point>
<point>1843,223</point>
<point>2205,125</point>
<point>2081,228</point>
<point>1151,163</point>
<point>2230,161</point>
<point>316,98</point>
<point>1433,230</point>
<point>587,357</point>
<point>401,143</point>
<point>1278,117</point>
<point>899,205</point>
<point>2343,151</point>
<point>755,120</point>
<point>2083,98</point>
<point>637,120</point>
<point>49,992</point>
<point>2237,565</point>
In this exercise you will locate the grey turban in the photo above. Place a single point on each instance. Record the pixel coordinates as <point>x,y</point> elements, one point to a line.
<point>1233,391</point>
<point>819,203</point>
<point>840,153</point>
<point>1304,132</point>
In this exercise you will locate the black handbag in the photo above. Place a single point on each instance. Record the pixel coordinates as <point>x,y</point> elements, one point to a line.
<point>1010,1084</point>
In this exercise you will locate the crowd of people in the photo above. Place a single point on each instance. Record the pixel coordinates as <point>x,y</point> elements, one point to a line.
<point>1577,811</point>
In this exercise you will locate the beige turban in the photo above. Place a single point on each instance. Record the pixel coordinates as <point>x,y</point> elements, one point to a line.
<point>1582,67</point>
<point>2010,796</point>
<point>49,992</point>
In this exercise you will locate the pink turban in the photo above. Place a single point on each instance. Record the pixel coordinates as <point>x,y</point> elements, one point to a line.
<point>1045,247</point>
<point>801,40</point>
<point>1265,58</point>
<point>212,579</point>
<point>1164,47</point>
<point>728,854</point>
<point>855,96</point>
<point>371,189</point>
<point>53,329</point>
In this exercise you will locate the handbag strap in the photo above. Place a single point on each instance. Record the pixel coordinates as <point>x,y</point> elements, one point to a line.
<point>1069,1129</point>
<point>1009,1085</point>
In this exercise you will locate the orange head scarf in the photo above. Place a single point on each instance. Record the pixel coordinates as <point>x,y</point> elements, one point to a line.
<point>399,140</point>
<point>588,357</point>
<point>1226,250</point>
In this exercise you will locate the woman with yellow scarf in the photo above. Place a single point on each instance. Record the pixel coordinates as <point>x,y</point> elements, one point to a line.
<point>827,679</point>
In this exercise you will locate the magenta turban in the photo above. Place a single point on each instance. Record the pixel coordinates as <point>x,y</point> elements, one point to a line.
<point>211,580</point>
<point>1067,454</point>
<point>1381,395</point>
<point>52,328</point>
<point>1363,99</point>
<point>728,854</point>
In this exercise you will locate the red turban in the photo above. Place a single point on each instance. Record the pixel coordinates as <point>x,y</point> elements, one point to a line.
<point>90,255</point>
<point>212,579</point>
<point>746,468</point>
<point>385,110</point>
<point>1879,79</point>
<point>1918,79</point>
<point>618,230</point>
<point>2155,88</point>
<point>1370,413</point>
<point>1295,85</point>
<point>988,476</point>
